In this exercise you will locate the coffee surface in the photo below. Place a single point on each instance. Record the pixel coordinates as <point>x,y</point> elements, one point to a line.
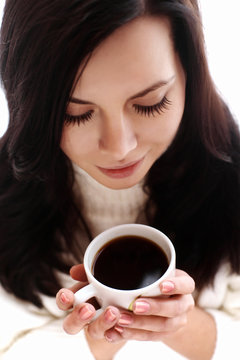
<point>129,262</point>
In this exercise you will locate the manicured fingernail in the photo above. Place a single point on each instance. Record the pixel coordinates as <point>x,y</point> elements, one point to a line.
<point>110,316</point>
<point>141,307</point>
<point>64,299</point>
<point>119,329</point>
<point>108,338</point>
<point>167,286</point>
<point>125,319</point>
<point>86,313</point>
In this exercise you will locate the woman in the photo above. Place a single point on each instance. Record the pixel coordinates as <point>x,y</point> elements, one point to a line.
<point>114,118</point>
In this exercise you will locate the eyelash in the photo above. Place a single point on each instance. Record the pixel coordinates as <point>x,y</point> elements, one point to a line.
<point>79,119</point>
<point>152,109</point>
<point>140,109</point>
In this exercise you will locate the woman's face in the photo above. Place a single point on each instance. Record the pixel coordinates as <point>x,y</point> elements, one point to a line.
<point>127,104</point>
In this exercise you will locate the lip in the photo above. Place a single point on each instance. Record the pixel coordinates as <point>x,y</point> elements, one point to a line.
<point>119,172</point>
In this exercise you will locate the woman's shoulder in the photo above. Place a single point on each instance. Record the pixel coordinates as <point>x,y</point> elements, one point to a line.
<point>224,293</point>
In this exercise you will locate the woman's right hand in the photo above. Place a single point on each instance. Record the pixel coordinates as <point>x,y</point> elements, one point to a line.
<point>81,317</point>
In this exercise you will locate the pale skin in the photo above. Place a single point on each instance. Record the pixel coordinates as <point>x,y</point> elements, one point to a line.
<point>139,67</point>
<point>173,320</point>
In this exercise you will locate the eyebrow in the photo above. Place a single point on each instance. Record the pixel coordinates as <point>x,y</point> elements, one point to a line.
<point>153,87</point>
<point>142,93</point>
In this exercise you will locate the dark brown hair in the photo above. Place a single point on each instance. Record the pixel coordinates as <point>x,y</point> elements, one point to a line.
<point>193,187</point>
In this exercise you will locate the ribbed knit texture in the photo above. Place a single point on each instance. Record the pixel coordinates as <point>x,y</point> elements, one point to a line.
<point>103,207</point>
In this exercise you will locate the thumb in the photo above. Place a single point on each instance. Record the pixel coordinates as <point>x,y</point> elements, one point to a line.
<point>78,273</point>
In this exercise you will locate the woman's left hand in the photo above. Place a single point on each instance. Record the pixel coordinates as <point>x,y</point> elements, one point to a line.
<point>155,318</point>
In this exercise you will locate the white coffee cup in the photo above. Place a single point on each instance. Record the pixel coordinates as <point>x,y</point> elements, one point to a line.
<point>123,298</point>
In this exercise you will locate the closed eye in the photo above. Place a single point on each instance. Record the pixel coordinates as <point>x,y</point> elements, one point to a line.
<point>79,119</point>
<point>151,110</point>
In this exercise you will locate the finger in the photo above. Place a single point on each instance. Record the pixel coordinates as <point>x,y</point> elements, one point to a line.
<point>181,283</point>
<point>113,335</point>
<point>104,322</point>
<point>153,323</point>
<point>140,335</point>
<point>77,272</point>
<point>167,307</point>
<point>79,318</point>
<point>65,299</point>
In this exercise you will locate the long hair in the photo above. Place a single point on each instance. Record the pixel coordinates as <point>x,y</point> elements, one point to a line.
<point>193,187</point>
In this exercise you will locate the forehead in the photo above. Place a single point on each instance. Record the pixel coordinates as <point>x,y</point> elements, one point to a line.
<point>136,54</point>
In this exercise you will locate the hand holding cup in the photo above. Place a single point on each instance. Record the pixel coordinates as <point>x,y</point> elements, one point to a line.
<point>124,263</point>
<point>152,314</point>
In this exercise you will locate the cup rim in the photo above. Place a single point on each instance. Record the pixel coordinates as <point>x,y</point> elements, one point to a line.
<point>169,270</point>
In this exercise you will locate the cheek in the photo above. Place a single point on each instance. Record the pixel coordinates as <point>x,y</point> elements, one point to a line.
<point>76,142</point>
<point>169,125</point>
<point>162,129</point>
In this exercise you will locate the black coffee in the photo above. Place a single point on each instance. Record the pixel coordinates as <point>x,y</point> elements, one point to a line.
<point>129,262</point>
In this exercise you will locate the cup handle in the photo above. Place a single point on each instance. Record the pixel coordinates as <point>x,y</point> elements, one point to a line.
<point>84,294</point>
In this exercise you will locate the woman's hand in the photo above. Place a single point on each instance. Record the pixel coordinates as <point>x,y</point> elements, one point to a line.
<point>82,318</point>
<point>155,318</point>
<point>151,319</point>
<point>172,319</point>
<point>83,314</point>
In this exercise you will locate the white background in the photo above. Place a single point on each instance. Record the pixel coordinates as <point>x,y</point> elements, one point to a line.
<point>222,29</point>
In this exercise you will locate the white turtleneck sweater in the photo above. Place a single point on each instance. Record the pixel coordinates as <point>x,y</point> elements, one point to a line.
<point>31,333</point>
<point>104,207</point>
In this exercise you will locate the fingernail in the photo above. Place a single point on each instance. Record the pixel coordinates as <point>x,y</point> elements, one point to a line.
<point>119,329</point>
<point>167,286</point>
<point>108,338</point>
<point>64,299</point>
<point>86,313</point>
<point>110,316</point>
<point>125,319</point>
<point>141,307</point>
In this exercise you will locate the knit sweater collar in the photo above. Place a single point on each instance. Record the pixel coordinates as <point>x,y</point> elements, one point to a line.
<point>103,207</point>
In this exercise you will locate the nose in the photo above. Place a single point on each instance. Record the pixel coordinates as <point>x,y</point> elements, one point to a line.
<point>117,138</point>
